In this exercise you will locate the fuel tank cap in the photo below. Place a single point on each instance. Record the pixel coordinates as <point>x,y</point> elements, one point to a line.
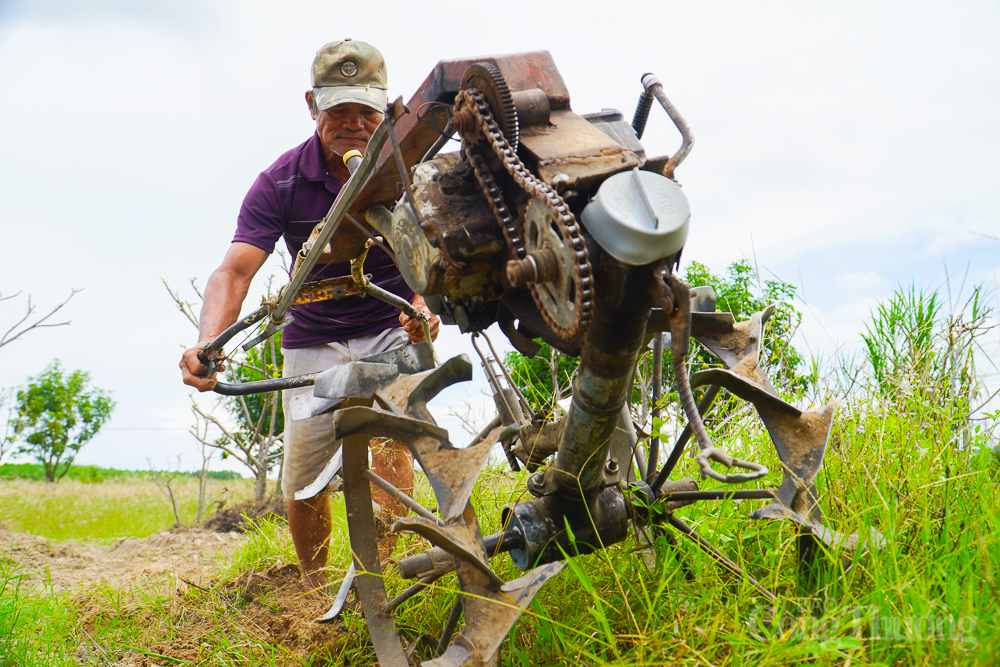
<point>638,217</point>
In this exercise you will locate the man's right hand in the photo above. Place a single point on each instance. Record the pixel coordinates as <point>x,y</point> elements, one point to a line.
<point>224,294</point>
<point>195,373</point>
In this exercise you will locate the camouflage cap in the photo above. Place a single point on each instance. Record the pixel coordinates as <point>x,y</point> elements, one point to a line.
<point>349,71</point>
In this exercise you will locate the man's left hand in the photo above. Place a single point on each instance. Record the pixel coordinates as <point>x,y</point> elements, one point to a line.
<point>414,327</point>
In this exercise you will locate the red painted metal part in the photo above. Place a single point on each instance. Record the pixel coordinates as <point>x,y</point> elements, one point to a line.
<point>523,71</point>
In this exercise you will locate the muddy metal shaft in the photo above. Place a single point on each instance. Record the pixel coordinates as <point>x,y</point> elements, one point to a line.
<point>610,350</point>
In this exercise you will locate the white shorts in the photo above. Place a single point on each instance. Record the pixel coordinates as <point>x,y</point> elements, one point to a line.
<point>309,443</point>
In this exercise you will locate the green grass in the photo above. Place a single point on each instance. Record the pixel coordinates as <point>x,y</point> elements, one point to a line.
<point>96,474</point>
<point>929,597</point>
<point>125,506</point>
<point>36,629</point>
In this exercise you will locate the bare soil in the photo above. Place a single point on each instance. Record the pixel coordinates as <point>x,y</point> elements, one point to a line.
<point>161,559</point>
<point>268,608</point>
<point>233,518</point>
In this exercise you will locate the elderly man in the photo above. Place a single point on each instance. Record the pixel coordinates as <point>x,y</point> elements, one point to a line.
<point>348,95</point>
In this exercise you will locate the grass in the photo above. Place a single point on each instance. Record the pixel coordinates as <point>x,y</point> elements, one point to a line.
<point>121,507</point>
<point>34,627</point>
<point>929,597</point>
<point>96,474</point>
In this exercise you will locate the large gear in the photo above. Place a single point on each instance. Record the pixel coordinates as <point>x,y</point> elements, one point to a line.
<point>567,312</point>
<point>486,78</point>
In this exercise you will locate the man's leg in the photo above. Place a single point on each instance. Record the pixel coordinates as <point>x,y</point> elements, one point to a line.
<point>309,524</point>
<point>393,462</point>
<point>309,443</point>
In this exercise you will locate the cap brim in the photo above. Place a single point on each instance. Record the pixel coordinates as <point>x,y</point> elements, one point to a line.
<point>328,96</point>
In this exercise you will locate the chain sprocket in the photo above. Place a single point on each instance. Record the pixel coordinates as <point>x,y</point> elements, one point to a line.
<point>484,133</point>
<point>486,78</point>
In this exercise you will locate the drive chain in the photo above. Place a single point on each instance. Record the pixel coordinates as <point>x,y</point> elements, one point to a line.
<point>509,223</point>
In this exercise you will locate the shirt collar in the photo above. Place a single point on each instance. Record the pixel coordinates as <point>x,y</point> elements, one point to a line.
<point>312,166</point>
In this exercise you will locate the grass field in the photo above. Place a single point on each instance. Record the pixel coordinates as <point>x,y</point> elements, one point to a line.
<point>929,597</point>
<point>126,506</point>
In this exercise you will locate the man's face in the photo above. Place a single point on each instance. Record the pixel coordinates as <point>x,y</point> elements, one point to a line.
<point>346,126</point>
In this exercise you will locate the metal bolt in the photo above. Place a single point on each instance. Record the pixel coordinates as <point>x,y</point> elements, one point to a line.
<point>541,266</point>
<point>612,466</point>
<point>521,271</point>
<point>537,480</point>
<point>464,122</point>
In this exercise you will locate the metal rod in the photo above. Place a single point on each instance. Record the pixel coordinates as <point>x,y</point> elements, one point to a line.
<point>449,627</point>
<point>410,503</point>
<point>525,406</point>
<point>655,88</point>
<point>668,467</point>
<point>640,461</point>
<point>654,443</point>
<point>742,494</point>
<point>263,386</point>
<point>368,287</point>
<point>491,376</point>
<point>506,540</point>
<point>400,163</point>
<point>220,341</point>
<point>496,421</point>
<point>705,546</point>
<point>379,218</point>
<point>635,454</point>
<point>331,222</point>
<point>685,566</point>
<point>409,593</point>
<point>610,351</point>
<point>374,239</point>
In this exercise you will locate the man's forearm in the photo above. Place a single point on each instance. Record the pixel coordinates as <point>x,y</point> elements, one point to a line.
<point>224,295</point>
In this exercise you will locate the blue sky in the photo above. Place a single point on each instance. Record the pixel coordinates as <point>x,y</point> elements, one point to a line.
<point>847,148</point>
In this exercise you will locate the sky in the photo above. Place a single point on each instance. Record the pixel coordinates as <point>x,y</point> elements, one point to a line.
<point>848,148</point>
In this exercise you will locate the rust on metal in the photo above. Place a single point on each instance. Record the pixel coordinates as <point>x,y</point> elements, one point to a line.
<point>326,290</point>
<point>570,153</point>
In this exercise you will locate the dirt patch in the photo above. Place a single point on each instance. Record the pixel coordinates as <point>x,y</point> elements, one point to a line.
<point>272,607</point>
<point>162,558</point>
<point>234,518</point>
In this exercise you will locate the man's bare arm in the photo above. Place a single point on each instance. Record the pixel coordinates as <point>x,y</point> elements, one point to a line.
<point>224,294</point>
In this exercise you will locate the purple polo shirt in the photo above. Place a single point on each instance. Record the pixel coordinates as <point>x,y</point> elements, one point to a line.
<point>288,199</point>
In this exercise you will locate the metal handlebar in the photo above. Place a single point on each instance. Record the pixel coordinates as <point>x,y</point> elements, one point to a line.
<point>654,89</point>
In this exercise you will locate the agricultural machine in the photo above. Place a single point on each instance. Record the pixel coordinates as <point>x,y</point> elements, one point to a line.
<point>558,227</point>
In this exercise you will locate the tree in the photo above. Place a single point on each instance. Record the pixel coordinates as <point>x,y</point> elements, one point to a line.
<point>257,441</point>
<point>253,433</point>
<point>56,415</point>
<point>545,379</point>
<point>548,377</point>
<point>15,331</point>
<point>742,293</point>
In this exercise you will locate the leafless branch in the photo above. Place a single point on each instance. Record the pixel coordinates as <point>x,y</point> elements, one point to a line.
<point>164,480</point>
<point>20,328</point>
<point>186,307</point>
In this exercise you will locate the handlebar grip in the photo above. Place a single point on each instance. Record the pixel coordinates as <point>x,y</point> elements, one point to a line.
<point>208,361</point>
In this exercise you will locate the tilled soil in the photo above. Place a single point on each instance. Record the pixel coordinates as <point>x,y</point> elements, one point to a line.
<point>161,559</point>
<point>270,608</point>
<point>233,518</point>
<point>194,612</point>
